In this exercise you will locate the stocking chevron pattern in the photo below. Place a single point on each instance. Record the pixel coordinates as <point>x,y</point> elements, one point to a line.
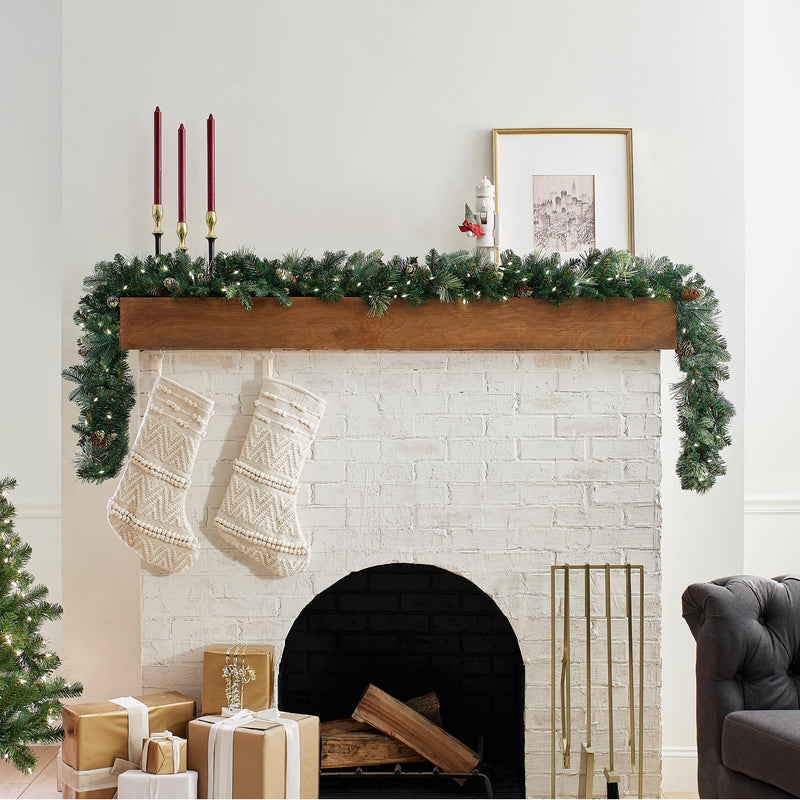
<point>148,510</point>
<point>259,513</point>
<point>268,447</point>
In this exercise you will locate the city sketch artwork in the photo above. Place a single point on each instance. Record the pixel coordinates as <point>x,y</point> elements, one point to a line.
<point>563,213</point>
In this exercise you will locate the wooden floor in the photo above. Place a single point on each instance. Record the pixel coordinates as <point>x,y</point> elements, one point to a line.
<point>42,782</point>
<point>39,784</point>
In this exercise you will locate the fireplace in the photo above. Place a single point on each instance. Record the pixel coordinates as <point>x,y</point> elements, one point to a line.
<point>412,629</point>
<point>483,469</point>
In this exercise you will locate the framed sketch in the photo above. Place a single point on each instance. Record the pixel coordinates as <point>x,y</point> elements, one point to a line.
<point>565,190</point>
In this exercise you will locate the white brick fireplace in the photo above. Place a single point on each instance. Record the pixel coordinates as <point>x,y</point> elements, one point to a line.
<point>492,465</point>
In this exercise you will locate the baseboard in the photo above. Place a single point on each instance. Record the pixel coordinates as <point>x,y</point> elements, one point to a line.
<point>679,770</point>
<point>758,504</point>
<point>43,511</point>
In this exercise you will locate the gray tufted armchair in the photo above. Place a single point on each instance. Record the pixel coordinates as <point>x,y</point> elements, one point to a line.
<point>748,685</point>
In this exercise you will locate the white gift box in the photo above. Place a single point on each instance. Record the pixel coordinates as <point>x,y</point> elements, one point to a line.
<point>135,785</point>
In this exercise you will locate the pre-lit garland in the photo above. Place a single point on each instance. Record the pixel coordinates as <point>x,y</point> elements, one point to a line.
<point>105,389</point>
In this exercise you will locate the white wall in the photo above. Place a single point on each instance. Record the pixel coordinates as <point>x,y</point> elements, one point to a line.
<point>772,474</point>
<point>30,302</point>
<point>361,125</point>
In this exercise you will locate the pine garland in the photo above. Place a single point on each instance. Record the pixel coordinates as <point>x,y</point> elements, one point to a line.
<point>30,701</point>
<point>105,389</point>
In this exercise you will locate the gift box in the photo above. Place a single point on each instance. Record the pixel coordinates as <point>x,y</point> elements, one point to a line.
<point>97,734</point>
<point>252,663</point>
<point>135,785</point>
<point>164,754</point>
<point>267,758</point>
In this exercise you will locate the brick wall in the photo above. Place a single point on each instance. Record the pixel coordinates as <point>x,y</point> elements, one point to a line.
<point>491,465</point>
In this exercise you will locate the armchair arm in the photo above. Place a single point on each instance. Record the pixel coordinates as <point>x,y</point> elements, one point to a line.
<point>747,631</point>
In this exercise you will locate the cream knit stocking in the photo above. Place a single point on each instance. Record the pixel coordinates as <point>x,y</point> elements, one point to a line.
<point>148,510</point>
<point>259,512</point>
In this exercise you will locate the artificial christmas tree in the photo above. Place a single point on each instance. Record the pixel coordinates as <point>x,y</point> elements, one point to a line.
<point>30,700</point>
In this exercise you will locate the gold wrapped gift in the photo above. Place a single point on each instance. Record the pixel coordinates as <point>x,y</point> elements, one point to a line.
<point>158,754</point>
<point>249,664</point>
<point>259,756</point>
<point>96,734</point>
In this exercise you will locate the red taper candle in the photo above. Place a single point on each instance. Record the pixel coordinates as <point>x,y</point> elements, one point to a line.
<point>210,148</point>
<point>181,174</point>
<point>157,156</point>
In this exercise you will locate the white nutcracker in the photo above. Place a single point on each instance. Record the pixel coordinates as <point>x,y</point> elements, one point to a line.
<point>485,215</point>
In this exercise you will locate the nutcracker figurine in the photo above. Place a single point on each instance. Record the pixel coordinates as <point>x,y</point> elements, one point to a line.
<point>484,213</point>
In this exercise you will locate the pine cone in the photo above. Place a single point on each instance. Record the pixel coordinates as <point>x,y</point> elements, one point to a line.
<point>684,349</point>
<point>97,438</point>
<point>204,278</point>
<point>692,293</point>
<point>112,301</point>
<point>523,291</point>
<point>285,275</point>
<point>170,284</point>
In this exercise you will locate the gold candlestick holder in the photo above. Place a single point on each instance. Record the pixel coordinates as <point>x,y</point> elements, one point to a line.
<point>211,221</point>
<point>183,232</point>
<point>158,215</point>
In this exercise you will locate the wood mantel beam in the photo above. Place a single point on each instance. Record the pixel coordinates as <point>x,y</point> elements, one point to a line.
<point>311,324</point>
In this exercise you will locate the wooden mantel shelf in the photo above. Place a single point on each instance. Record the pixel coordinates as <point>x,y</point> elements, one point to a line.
<point>311,324</point>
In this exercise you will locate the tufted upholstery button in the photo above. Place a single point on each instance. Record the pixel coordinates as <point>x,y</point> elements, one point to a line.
<point>738,677</point>
<point>761,620</point>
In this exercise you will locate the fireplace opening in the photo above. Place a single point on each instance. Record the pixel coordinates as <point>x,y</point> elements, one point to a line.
<point>412,629</point>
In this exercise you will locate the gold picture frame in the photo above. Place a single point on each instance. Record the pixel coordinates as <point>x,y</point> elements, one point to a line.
<point>531,165</point>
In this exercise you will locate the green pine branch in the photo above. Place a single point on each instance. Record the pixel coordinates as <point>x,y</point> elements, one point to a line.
<point>104,387</point>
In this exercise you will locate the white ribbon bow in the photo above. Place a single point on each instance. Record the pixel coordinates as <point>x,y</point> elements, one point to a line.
<point>164,736</point>
<point>220,752</point>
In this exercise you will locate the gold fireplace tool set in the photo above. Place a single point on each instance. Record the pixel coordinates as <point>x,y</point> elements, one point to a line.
<point>564,741</point>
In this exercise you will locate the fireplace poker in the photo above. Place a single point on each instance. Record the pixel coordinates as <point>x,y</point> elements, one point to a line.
<point>612,778</point>
<point>641,680</point>
<point>553,681</point>
<point>586,775</point>
<point>566,701</point>
<point>631,705</point>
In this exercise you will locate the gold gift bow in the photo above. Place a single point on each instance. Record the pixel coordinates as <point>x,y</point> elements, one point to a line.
<point>164,736</point>
<point>236,676</point>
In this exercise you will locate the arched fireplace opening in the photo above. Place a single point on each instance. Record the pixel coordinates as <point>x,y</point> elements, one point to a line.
<point>412,629</point>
